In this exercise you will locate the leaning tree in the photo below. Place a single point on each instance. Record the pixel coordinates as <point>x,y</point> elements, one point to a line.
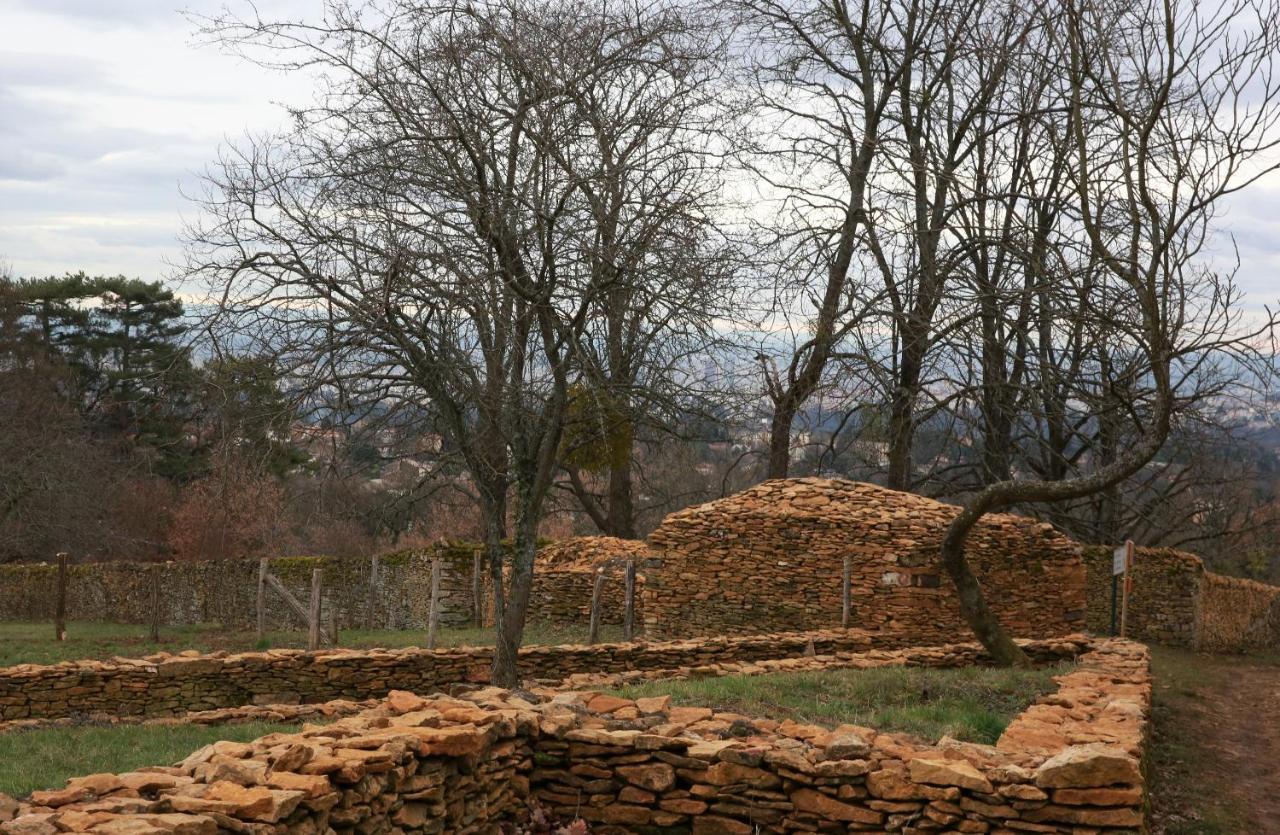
<point>437,231</point>
<point>1149,115</point>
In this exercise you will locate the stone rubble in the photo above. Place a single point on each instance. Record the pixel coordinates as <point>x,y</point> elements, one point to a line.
<point>1069,764</point>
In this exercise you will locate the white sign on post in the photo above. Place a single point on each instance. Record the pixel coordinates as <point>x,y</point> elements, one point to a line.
<point>1119,558</point>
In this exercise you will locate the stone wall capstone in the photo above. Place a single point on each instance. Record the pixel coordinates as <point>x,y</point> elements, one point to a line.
<point>771,557</point>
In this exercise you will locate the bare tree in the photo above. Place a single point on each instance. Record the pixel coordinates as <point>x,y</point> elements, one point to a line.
<point>825,75</point>
<point>1169,108</point>
<point>428,236</point>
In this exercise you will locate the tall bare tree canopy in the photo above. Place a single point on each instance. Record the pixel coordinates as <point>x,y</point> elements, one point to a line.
<point>450,227</point>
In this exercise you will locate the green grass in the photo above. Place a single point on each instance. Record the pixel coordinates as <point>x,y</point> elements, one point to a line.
<point>45,759</point>
<point>969,703</point>
<point>33,643</point>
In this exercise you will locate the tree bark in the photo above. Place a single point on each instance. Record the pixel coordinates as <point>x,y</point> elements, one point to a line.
<point>784,414</point>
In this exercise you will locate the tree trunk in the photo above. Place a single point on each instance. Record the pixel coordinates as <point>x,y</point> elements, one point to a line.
<point>900,437</point>
<point>784,413</point>
<point>511,608</point>
<point>973,604</point>
<point>621,522</point>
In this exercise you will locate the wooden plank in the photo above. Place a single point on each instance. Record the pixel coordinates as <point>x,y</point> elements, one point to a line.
<point>844,591</point>
<point>298,609</point>
<point>433,617</point>
<point>477,587</point>
<point>597,599</point>
<point>371,603</point>
<point>60,612</point>
<point>155,601</point>
<point>629,610</point>
<point>262,599</point>
<point>313,615</point>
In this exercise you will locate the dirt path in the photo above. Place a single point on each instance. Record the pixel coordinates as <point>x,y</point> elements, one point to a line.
<point>1216,751</point>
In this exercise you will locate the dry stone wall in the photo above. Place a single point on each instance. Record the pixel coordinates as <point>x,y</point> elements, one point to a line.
<point>771,557</point>
<point>225,591</point>
<point>1165,600</point>
<point>1070,764</point>
<point>1176,601</point>
<point>1238,615</point>
<point>167,685</point>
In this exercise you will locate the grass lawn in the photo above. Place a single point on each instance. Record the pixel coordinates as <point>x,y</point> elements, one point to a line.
<point>32,643</point>
<point>969,703</point>
<point>45,759</point>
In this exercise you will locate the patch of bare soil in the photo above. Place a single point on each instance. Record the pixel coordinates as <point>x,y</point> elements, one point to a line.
<point>1216,746</point>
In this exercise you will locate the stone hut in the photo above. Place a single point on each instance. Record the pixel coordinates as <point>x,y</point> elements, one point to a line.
<point>564,575</point>
<point>771,558</point>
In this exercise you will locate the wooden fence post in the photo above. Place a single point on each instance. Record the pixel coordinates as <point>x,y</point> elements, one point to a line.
<point>313,617</point>
<point>477,587</point>
<point>155,601</point>
<point>262,599</point>
<point>371,603</point>
<point>60,613</point>
<point>333,619</point>
<point>844,592</point>
<point>629,610</point>
<point>597,594</point>
<point>433,616</point>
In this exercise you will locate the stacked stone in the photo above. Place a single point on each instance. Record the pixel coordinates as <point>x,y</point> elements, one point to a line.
<point>564,579</point>
<point>1070,764</point>
<point>225,591</point>
<point>692,659</point>
<point>1176,601</point>
<point>771,557</point>
<point>172,685</point>
<point>221,716</point>
<point>1163,604</point>
<point>1238,615</point>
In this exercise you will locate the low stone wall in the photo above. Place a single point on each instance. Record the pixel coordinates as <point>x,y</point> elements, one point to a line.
<point>225,591</point>
<point>1176,601</point>
<point>1069,764</point>
<point>1238,614</point>
<point>166,685</point>
<point>1164,606</point>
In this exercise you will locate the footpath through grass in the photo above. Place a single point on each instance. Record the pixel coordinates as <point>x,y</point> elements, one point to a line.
<point>970,703</point>
<point>45,759</point>
<point>24,642</point>
<point>1214,767</point>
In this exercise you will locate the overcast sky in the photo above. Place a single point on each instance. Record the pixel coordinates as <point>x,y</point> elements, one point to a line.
<point>109,110</point>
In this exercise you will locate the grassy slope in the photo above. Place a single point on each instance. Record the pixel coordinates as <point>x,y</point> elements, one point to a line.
<point>32,643</point>
<point>971,703</point>
<point>43,759</point>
